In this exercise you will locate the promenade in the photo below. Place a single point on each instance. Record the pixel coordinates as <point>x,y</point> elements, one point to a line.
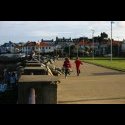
<point>95,85</point>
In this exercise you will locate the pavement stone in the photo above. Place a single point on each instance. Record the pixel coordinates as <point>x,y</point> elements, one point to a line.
<point>95,85</point>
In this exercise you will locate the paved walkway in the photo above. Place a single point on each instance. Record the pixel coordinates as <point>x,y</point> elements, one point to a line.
<point>95,85</point>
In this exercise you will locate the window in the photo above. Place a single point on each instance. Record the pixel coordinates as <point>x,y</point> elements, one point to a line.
<point>49,47</point>
<point>43,47</point>
<point>46,47</point>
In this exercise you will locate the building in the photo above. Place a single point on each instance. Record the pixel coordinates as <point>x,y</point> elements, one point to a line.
<point>38,47</point>
<point>63,41</point>
<point>8,47</point>
<point>45,47</point>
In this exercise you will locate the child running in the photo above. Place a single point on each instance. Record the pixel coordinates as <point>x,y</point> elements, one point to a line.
<point>67,66</point>
<point>78,63</point>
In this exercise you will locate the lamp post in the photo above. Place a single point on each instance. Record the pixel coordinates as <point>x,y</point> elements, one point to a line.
<point>56,51</point>
<point>69,50</point>
<point>118,46</point>
<point>83,47</point>
<point>39,51</point>
<point>77,49</point>
<point>27,50</point>
<point>111,39</point>
<point>93,42</point>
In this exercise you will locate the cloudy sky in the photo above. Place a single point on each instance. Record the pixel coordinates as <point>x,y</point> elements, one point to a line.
<point>22,31</point>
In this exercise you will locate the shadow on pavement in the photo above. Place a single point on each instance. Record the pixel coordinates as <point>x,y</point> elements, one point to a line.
<point>90,100</point>
<point>108,73</point>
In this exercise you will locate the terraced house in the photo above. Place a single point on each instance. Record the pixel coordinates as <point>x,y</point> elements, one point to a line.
<point>39,47</point>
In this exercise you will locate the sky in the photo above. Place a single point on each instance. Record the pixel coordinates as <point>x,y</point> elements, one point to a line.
<point>23,31</point>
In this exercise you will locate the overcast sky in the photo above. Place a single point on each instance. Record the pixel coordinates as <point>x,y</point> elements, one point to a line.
<point>22,31</point>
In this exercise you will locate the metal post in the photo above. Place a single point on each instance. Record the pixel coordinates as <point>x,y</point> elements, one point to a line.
<point>39,52</point>
<point>62,53</point>
<point>21,48</point>
<point>83,47</point>
<point>111,39</point>
<point>77,51</point>
<point>27,50</point>
<point>118,46</point>
<point>93,42</point>
<point>56,51</point>
<point>69,50</point>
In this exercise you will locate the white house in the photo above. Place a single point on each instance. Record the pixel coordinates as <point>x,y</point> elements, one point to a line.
<point>40,47</point>
<point>45,47</point>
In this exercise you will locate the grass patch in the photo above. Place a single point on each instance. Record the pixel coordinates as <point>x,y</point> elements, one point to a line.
<point>116,63</point>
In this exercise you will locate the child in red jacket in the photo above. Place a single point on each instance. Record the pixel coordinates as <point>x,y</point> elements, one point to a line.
<point>78,63</point>
<point>67,66</point>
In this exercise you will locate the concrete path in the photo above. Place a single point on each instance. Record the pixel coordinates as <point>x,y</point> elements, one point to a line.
<point>95,85</point>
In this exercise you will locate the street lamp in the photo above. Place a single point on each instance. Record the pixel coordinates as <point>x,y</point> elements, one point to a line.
<point>77,49</point>
<point>69,50</point>
<point>118,46</point>
<point>39,52</point>
<point>27,50</point>
<point>111,39</point>
<point>56,51</point>
<point>83,47</point>
<point>93,42</point>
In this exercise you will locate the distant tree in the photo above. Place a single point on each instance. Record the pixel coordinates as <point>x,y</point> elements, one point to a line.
<point>96,39</point>
<point>85,39</point>
<point>66,49</point>
<point>104,35</point>
<point>72,48</point>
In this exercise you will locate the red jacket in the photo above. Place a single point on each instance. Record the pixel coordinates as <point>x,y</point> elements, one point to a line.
<point>78,62</point>
<point>67,64</point>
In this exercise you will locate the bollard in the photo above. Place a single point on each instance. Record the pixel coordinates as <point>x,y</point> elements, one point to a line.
<point>35,71</point>
<point>32,96</point>
<point>43,87</point>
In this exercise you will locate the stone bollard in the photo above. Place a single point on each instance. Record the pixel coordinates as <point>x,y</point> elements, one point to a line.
<point>44,89</point>
<point>35,71</point>
<point>32,96</point>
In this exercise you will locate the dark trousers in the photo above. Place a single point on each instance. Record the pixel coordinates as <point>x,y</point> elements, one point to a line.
<point>78,71</point>
<point>66,71</point>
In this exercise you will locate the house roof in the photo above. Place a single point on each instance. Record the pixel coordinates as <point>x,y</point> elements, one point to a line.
<point>43,44</point>
<point>82,43</point>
